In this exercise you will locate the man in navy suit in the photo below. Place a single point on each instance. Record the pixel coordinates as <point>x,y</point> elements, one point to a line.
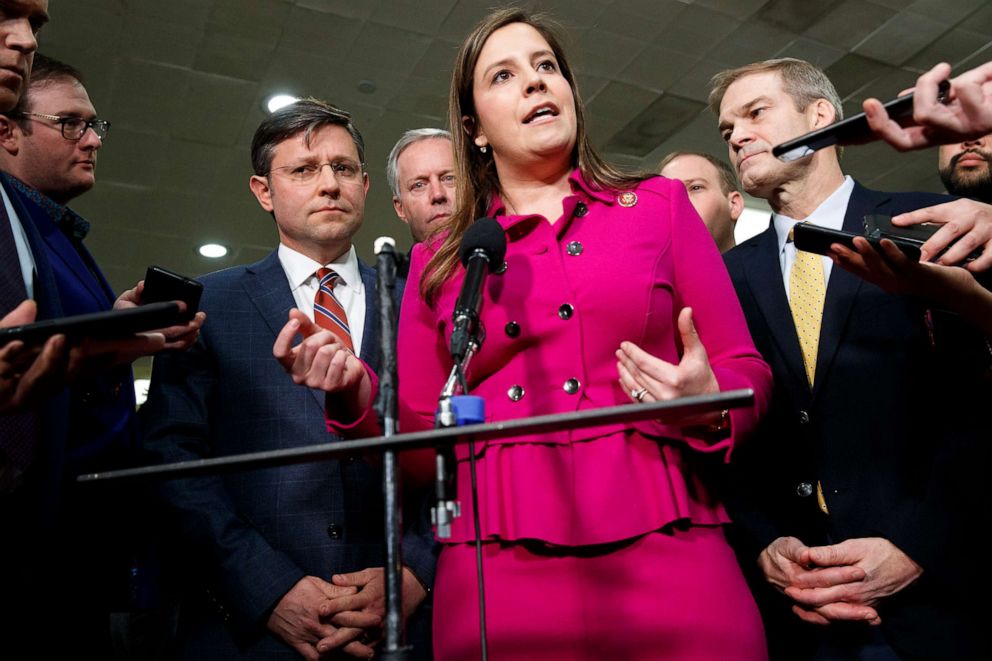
<point>847,500</point>
<point>271,551</point>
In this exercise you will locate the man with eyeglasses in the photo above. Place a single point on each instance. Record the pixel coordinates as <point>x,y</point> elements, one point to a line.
<point>284,558</point>
<point>48,146</point>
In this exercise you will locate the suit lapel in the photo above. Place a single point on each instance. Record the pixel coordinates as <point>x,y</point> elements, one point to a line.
<point>764,276</point>
<point>267,288</point>
<point>844,287</point>
<point>370,351</point>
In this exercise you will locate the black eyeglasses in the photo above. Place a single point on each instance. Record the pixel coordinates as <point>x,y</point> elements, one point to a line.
<point>73,128</point>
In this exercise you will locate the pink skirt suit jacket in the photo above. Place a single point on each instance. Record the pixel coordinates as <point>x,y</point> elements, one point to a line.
<point>559,507</point>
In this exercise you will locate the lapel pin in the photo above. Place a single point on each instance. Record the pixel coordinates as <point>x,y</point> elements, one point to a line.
<point>627,198</point>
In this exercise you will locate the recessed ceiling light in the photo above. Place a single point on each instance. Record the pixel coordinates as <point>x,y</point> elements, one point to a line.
<point>277,101</point>
<point>212,250</point>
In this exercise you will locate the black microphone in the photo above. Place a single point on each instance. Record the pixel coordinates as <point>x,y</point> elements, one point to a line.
<point>483,249</point>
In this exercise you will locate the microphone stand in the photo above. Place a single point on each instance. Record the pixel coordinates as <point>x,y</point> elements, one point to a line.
<point>447,507</point>
<point>394,648</point>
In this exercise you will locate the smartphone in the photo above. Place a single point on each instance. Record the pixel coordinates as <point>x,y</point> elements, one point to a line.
<point>879,227</point>
<point>164,285</point>
<point>813,238</point>
<point>852,130</point>
<point>113,324</point>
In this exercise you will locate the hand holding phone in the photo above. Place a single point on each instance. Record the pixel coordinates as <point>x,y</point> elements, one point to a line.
<point>164,285</point>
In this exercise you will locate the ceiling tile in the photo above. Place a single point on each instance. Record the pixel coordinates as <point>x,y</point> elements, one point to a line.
<point>751,42</point>
<point>191,13</point>
<point>350,8</point>
<point>947,12</point>
<point>815,52</point>
<point>232,55</point>
<point>163,41</point>
<point>981,20</point>
<point>423,16</point>
<point>437,61</point>
<point>213,108</point>
<point>605,53</point>
<point>463,17</point>
<point>901,38</point>
<point>422,96</point>
<point>695,83</point>
<point>848,23</point>
<point>133,158</point>
<point>741,9</point>
<point>320,34</point>
<point>792,15</point>
<point>162,90</point>
<point>852,72</point>
<point>589,85</point>
<point>656,68</point>
<point>397,51</point>
<point>696,30</point>
<point>571,14</point>
<point>657,123</point>
<point>621,102</point>
<point>259,20</point>
<point>620,19</point>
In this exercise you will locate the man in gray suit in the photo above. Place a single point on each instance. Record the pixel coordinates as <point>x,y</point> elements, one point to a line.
<point>275,549</point>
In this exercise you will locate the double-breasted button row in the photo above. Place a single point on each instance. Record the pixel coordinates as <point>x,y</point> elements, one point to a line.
<point>581,209</point>
<point>515,393</point>
<point>571,386</point>
<point>566,310</point>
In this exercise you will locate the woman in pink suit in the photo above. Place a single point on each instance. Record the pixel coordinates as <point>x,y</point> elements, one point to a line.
<point>598,542</point>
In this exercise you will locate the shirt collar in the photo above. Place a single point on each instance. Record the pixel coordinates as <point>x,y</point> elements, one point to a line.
<point>68,221</point>
<point>830,213</point>
<point>299,268</point>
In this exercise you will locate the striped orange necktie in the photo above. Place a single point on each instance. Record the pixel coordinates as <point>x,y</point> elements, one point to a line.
<point>327,309</point>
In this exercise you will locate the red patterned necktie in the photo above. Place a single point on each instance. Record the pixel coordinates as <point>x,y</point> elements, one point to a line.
<point>327,309</point>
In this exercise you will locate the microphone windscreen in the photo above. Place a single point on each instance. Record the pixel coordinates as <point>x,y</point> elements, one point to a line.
<point>382,242</point>
<point>485,234</point>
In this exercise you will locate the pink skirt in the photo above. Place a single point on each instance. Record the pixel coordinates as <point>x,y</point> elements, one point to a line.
<point>672,596</point>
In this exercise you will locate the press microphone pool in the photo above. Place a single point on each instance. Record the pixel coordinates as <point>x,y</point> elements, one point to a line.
<point>483,249</point>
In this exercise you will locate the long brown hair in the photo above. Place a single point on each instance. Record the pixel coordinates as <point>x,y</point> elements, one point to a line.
<point>477,181</point>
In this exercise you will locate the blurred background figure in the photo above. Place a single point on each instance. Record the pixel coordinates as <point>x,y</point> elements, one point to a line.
<point>713,191</point>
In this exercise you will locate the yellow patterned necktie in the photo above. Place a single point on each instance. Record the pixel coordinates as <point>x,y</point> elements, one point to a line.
<point>807,291</point>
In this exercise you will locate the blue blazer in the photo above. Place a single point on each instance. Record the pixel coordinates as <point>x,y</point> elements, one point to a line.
<point>250,536</point>
<point>873,431</point>
<point>89,426</point>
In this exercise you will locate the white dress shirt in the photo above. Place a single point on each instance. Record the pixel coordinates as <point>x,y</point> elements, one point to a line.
<point>829,214</point>
<point>350,290</point>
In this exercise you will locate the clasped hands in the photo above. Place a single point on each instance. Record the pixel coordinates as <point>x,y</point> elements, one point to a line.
<point>841,582</point>
<point>317,617</point>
